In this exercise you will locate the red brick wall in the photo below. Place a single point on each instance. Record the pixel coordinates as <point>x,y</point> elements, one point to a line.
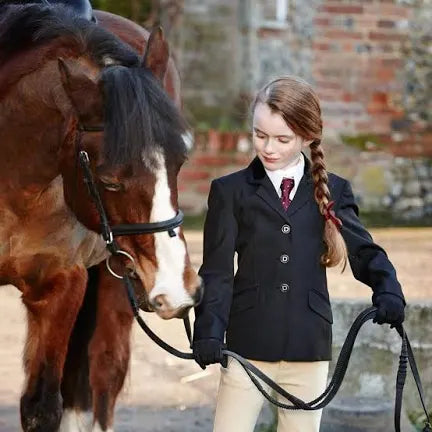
<point>215,154</point>
<point>356,61</point>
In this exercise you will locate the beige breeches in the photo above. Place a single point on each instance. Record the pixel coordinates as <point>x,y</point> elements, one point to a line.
<point>239,402</point>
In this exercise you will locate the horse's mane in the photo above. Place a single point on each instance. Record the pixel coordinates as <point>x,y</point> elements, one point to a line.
<point>139,115</point>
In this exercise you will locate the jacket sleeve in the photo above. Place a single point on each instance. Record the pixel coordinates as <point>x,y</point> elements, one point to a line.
<point>217,270</point>
<point>369,262</point>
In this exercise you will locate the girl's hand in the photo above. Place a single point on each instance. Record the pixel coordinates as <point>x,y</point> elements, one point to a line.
<point>391,309</point>
<point>209,351</point>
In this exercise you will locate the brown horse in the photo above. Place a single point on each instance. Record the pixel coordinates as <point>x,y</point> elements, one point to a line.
<point>62,78</point>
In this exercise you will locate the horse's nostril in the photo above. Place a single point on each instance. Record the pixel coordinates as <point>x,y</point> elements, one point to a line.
<point>159,302</point>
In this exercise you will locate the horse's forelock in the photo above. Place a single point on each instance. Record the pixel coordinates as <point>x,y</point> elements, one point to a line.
<point>140,118</point>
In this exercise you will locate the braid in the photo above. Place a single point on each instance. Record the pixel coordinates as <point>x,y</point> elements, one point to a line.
<point>319,175</point>
<point>336,252</point>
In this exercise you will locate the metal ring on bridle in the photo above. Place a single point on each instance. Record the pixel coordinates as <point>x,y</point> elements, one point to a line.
<point>120,252</point>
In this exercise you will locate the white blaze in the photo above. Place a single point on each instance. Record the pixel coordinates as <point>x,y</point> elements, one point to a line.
<point>170,251</point>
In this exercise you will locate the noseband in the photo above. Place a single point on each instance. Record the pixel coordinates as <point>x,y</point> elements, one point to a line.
<point>110,232</point>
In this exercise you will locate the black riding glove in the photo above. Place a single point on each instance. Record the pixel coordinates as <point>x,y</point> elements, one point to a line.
<point>209,351</point>
<point>391,309</point>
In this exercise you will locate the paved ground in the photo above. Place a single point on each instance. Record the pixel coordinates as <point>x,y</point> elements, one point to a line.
<point>171,395</point>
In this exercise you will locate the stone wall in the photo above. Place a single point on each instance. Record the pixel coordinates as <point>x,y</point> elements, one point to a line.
<point>210,58</point>
<point>372,370</point>
<point>366,397</point>
<point>383,181</point>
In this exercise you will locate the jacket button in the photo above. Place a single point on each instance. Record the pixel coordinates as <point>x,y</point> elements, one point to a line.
<point>284,258</point>
<point>284,288</point>
<point>286,229</point>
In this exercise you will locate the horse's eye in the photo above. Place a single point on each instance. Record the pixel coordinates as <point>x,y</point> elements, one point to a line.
<point>112,187</point>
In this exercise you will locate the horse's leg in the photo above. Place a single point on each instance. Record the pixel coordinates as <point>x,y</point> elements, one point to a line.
<point>52,308</point>
<point>75,387</point>
<point>109,349</point>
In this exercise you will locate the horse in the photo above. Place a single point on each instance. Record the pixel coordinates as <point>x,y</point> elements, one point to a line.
<point>110,91</point>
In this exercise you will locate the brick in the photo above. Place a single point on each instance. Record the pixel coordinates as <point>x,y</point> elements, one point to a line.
<point>329,95</point>
<point>392,62</point>
<point>386,24</point>
<point>193,174</point>
<point>366,21</point>
<point>214,140</point>
<point>342,34</point>
<point>322,21</point>
<point>229,141</point>
<point>203,188</point>
<point>319,46</point>
<point>380,98</point>
<point>378,103</point>
<point>386,36</point>
<point>385,74</point>
<point>242,159</point>
<point>388,10</point>
<point>328,85</point>
<point>342,9</point>
<point>348,97</point>
<point>211,160</point>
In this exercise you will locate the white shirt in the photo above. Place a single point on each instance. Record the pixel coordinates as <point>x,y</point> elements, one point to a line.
<point>295,172</point>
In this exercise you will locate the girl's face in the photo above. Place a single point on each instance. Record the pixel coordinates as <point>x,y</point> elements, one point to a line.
<point>275,143</point>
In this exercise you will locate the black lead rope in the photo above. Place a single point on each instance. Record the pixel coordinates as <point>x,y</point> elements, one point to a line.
<point>339,373</point>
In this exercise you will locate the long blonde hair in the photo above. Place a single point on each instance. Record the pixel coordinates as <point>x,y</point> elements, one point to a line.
<point>296,101</point>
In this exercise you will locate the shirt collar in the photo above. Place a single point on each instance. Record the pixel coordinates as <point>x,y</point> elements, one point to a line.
<point>296,172</point>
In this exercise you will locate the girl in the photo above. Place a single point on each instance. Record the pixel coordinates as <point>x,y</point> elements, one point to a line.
<point>288,219</point>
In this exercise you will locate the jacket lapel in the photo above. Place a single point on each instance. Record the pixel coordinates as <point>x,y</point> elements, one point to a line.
<point>267,192</point>
<point>305,191</point>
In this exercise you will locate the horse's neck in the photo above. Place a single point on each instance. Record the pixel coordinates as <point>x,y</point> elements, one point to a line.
<point>29,139</point>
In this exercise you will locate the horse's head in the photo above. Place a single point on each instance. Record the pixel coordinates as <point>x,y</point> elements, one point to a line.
<point>132,132</point>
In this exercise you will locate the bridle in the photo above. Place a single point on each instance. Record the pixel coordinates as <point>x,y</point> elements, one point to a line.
<point>108,232</point>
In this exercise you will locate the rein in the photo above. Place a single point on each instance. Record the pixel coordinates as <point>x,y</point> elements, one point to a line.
<point>109,233</point>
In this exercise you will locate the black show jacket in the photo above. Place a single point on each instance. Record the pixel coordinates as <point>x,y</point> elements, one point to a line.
<point>277,307</point>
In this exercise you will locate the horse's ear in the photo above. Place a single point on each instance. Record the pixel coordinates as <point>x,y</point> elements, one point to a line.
<point>157,54</point>
<point>83,92</point>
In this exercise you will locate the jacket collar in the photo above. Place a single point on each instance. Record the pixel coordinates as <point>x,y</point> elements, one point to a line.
<point>256,175</point>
